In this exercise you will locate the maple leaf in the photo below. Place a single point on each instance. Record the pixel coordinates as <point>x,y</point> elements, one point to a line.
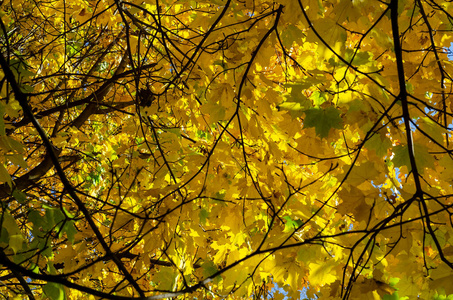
<point>422,157</point>
<point>206,149</point>
<point>54,291</point>
<point>323,120</point>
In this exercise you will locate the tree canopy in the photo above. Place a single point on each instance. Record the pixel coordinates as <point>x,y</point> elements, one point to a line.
<point>214,149</point>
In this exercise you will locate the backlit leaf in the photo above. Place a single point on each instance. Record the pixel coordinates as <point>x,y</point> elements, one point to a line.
<point>54,291</point>
<point>323,120</point>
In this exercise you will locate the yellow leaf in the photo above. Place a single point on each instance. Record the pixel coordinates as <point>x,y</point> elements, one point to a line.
<point>321,273</point>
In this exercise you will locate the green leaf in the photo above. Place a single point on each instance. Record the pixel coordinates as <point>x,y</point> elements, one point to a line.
<point>447,163</point>
<point>54,215</point>
<point>291,34</point>
<point>296,101</point>
<point>18,160</point>
<point>394,281</point>
<point>51,268</point>
<point>291,224</point>
<point>2,122</point>
<point>360,58</point>
<point>54,291</point>
<point>27,88</point>
<point>44,245</point>
<point>209,269</point>
<point>422,158</point>
<point>204,214</point>
<point>295,109</point>
<point>70,215</point>
<point>409,87</point>
<point>10,224</point>
<point>38,221</point>
<point>15,238</point>
<point>12,144</point>
<point>20,69</point>
<point>394,296</point>
<point>307,254</point>
<point>16,242</point>
<point>165,278</point>
<point>379,143</point>
<point>4,175</point>
<point>220,62</point>
<point>70,230</point>
<point>323,120</point>
<point>431,128</point>
<point>4,236</point>
<point>34,268</point>
<point>175,131</point>
<point>19,196</point>
<point>318,98</point>
<point>215,112</point>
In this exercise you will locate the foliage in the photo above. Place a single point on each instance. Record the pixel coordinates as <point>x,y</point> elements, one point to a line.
<point>211,149</point>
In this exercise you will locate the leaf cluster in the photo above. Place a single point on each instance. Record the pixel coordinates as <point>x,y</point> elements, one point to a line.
<point>217,149</point>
